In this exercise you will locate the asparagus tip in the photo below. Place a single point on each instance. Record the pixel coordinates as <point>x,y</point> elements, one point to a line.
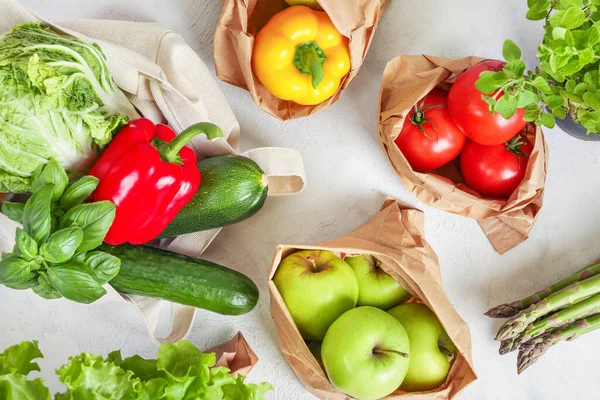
<point>501,311</point>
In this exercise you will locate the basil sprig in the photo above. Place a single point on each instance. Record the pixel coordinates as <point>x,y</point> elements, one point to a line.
<point>567,82</point>
<point>54,253</point>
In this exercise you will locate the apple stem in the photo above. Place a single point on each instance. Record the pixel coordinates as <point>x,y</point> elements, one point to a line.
<point>449,355</point>
<point>383,351</point>
<point>312,262</point>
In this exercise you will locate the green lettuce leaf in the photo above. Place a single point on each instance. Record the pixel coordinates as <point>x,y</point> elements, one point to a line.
<point>15,364</point>
<point>58,102</point>
<point>90,377</point>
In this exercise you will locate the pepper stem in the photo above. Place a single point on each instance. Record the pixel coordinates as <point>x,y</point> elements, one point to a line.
<point>309,59</point>
<point>169,152</point>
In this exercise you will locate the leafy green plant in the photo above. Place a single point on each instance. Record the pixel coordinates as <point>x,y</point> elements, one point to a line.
<point>181,372</point>
<point>53,253</point>
<point>567,81</point>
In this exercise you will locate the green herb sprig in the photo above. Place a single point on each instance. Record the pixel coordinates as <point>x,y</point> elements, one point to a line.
<point>567,82</point>
<point>53,253</point>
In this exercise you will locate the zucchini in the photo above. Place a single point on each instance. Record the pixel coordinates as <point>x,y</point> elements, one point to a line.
<point>233,188</point>
<point>151,272</point>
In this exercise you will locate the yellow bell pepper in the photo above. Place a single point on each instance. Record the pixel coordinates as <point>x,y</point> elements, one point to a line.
<point>300,56</point>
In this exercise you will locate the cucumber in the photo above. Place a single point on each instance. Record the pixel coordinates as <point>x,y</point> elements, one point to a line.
<point>151,272</point>
<point>233,188</point>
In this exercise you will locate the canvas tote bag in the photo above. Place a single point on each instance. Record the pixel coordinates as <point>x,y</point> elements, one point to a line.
<point>168,83</point>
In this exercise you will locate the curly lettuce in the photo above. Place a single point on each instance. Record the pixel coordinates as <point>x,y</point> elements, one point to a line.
<point>57,101</point>
<point>181,372</point>
<point>15,364</point>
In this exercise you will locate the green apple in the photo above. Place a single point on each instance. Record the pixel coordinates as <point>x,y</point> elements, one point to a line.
<point>375,287</point>
<point>310,3</point>
<point>431,350</point>
<point>317,287</point>
<point>366,353</point>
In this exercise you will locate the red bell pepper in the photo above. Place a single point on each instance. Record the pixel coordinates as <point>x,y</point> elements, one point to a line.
<point>150,174</point>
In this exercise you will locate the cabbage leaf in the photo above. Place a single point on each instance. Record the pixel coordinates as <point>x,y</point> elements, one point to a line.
<point>57,101</point>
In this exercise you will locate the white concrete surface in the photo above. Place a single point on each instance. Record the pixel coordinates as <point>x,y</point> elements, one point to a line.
<point>348,179</point>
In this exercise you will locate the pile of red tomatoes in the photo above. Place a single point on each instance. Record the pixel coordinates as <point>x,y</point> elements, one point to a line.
<point>442,126</point>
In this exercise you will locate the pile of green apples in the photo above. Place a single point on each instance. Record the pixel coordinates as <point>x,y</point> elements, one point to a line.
<point>356,320</point>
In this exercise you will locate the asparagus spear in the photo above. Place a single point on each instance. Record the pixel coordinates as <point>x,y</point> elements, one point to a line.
<point>532,350</point>
<point>511,309</point>
<point>566,316</point>
<point>566,297</point>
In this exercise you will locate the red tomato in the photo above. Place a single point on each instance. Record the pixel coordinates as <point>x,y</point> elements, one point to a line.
<point>429,137</point>
<point>495,171</point>
<point>471,113</point>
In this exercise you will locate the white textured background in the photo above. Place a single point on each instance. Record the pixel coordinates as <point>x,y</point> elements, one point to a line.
<point>348,180</point>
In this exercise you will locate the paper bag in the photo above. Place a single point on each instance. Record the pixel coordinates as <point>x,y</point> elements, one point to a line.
<point>168,83</point>
<point>506,223</point>
<point>395,237</point>
<point>236,355</point>
<point>242,19</point>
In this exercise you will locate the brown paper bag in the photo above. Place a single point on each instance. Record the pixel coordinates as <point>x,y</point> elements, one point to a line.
<point>236,355</point>
<point>394,236</point>
<point>242,19</point>
<point>506,223</point>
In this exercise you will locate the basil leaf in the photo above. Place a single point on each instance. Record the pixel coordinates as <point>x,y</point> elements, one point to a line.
<point>45,289</point>
<point>74,283</point>
<point>25,247</point>
<point>94,219</point>
<point>105,266</point>
<point>14,211</point>
<point>14,270</point>
<point>510,51</point>
<point>61,245</point>
<point>51,173</point>
<point>78,192</point>
<point>37,218</point>
<point>28,283</point>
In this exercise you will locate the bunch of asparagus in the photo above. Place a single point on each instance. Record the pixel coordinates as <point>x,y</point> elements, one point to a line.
<point>563,311</point>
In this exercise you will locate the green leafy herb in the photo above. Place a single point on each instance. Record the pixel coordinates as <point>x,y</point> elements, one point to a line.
<point>13,210</point>
<point>25,247</point>
<point>78,192</point>
<point>45,289</point>
<point>105,266</point>
<point>14,270</point>
<point>61,245</point>
<point>36,216</point>
<point>95,219</point>
<point>568,80</point>
<point>74,283</point>
<point>54,252</point>
<point>50,173</point>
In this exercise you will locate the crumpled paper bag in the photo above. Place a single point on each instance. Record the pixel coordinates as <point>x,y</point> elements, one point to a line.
<point>242,19</point>
<point>394,236</point>
<point>236,355</point>
<point>506,223</point>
